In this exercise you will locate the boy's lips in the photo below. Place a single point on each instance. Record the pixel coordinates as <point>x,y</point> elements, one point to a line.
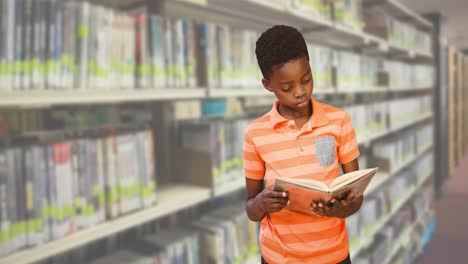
<point>303,103</point>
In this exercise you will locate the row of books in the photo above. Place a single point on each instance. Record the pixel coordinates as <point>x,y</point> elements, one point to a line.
<point>52,184</point>
<point>316,8</point>
<point>368,119</point>
<point>379,204</point>
<point>56,45</point>
<point>217,144</point>
<point>389,155</point>
<point>225,235</point>
<point>405,76</point>
<point>397,32</point>
<point>349,13</point>
<point>403,111</point>
<point>373,118</point>
<point>321,64</point>
<point>386,240</point>
<point>357,72</point>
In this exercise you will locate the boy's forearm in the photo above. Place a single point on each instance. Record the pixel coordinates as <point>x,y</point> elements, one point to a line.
<point>254,211</point>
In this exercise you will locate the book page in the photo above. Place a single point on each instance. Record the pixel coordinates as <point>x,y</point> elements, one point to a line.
<point>351,177</point>
<point>304,183</point>
<point>357,185</point>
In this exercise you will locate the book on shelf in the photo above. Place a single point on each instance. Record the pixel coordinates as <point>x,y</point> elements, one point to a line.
<point>302,192</point>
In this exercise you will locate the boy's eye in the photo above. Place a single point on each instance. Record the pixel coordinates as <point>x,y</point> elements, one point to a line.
<point>285,89</point>
<point>306,81</point>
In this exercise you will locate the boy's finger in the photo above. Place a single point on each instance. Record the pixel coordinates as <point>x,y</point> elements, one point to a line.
<point>276,194</point>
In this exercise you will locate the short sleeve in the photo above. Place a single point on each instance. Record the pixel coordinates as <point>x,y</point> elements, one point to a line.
<point>348,149</point>
<point>254,166</point>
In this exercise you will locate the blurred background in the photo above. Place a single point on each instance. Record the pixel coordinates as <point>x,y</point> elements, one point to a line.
<point>122,121</point>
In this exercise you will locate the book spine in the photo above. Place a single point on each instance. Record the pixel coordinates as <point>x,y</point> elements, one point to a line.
<point>160,79</point>
<point>202,62</point>
<point>27,45</point>
<point>112,195</point>
<point>92,48</point>
<point>82,31</point>
<point>29,196</point>
<point>139,53</point>
<point>94,185</point>
<point>59,40</point>
<point>192,54</point>
<point>13,202</point>
<point>78,167</point>
<point>129,52</point>
<point>178,41</point>
<point>98,191</point>
<point>151,169</point>
<point>35,35</point>
<point>168,52</point>
<point>67,61</point>
<point>50,44</point>
<point>21,197</point>
<point>5,219</point>
<point>8,24</point>
<point>3,74</point>
<point>18,26</point>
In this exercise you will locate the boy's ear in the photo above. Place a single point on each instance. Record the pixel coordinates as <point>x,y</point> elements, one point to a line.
<point>266,84</point>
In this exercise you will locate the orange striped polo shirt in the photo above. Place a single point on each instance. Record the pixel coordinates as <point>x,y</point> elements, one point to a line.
<point>275,147</point>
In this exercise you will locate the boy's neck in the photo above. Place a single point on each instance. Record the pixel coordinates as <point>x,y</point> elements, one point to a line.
<point>292,114</point>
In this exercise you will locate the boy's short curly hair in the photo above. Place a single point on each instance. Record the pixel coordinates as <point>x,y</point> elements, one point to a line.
<point>278,45</point>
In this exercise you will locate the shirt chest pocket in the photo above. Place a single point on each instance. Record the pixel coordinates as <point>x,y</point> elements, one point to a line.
<point>325,148</point>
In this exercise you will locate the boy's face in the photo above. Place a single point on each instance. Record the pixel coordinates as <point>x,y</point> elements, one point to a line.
<point>292,84</point>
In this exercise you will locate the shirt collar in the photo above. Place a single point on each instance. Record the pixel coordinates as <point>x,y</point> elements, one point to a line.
<point>319,117</point>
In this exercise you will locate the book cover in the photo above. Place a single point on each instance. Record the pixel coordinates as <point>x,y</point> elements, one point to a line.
<point>302,192</point>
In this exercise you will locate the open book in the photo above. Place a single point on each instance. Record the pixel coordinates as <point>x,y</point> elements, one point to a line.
<point>302,192</point>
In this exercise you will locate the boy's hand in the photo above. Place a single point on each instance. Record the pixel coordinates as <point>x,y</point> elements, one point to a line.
<point>338,208</point>
<point>271,201</point>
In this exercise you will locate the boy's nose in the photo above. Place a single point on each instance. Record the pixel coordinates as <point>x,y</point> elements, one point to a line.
<point>299,92</point>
